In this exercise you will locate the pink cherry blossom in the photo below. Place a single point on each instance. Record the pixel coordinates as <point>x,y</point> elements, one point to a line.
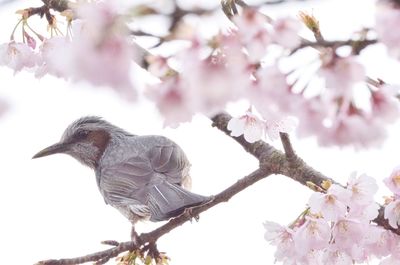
<point>282,238</point>
<point>379,241</point>
<point>332,205</point>
<point>390,261</point>
<point>274,127</point>
<point>286,32</point>
<point>362,188</point>
<point>336,257</point>
<point>314,234</point>
<point>365,212</point>
<point>17,56</point>
<point>158,66</point>
<point>388,18</point>
<point>393,181</point>
<point>54,58</point>
<point>392,213</point>
<point>172,101</point>
<point>253,32</point>
<point>271,94</point>
<point>101,51</point>
<point>355,129</point>
<point>3,107</point>
<point>341,73</point>
<point>346,233</point>
<point>385,104</point>
<point>214,81</point>
<point>249,125</point>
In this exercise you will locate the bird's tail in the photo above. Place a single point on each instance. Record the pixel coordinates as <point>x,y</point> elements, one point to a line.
<point>167,200</point>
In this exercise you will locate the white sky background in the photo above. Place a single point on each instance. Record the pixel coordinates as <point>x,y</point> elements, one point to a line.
<point>51,207</point>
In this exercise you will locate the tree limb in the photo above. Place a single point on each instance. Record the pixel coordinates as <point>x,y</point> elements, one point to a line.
<point>272,161</point>
<point>298,171</point>
<point>153,236</point>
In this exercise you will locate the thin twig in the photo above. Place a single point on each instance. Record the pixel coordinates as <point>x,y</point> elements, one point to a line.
<point>287,146</point>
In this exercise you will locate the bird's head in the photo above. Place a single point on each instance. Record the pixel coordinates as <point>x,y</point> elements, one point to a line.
<point>85,139</point>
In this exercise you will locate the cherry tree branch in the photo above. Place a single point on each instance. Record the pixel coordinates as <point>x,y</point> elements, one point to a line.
<point>357,45</point>
<point>153,236</point>
<point>272,161</point>
<point>297,170</point>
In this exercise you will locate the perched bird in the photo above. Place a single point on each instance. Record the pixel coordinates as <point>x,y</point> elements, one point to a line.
<point>142,176</point>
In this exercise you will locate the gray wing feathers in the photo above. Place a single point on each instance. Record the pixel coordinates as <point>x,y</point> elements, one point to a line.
<point>149,183</point>
<point>167,200</point>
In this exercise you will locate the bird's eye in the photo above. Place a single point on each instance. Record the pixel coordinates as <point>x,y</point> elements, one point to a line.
<point>82,133</point>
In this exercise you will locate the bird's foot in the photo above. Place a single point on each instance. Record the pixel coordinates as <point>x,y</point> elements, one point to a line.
<point>189,213</point>
<point>135,237</point>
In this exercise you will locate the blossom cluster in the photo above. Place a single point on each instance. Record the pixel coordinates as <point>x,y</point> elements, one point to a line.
<point>97,48</point>
<point>337,228</point>
<point>244,62</point>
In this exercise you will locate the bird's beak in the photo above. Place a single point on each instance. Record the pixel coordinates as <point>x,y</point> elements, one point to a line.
<point>53,149</point>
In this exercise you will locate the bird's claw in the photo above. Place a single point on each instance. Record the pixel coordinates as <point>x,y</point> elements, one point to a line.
<point>189,213</point>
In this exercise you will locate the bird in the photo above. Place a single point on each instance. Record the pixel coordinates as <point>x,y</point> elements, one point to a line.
<point>145,177</point>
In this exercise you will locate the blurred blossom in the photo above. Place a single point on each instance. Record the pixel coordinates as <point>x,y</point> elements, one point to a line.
<point>52,58</point>
<point>172,100</point>
<point>3,107</point>
<point>101,51</point>
<point>158,66</point>
<point>388,18</point>
<point>253,33</point>
<point>357,130</point>
<point>385,104</point>
<point>17,56</point>
<point>341,73</point>
<point>286,32</point>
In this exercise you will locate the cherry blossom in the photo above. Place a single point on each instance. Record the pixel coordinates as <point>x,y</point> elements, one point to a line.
<point>3,107</point>
<point>249,125</point>
<point>101,50</point>
<point>274,127</point>
<point>362,189</point>
<point>384,103</point>
<point>211,82</point>
<point>392,213</point>
<point>271,94</point>
<point>340,73</point>
<point>332,205</point>
<point>393,181</point>
<point>346,233</point>
<point>172,100</point>
<point>314,234</point>
<point>17,56</point>
<point>52,59</point>
<point>254,33</point>
<point>282,237</point>
<point>286,32</point>
<point>387,18</point>
<point>379,241</point>
<point>336,257</point>
<point>158,66</point>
